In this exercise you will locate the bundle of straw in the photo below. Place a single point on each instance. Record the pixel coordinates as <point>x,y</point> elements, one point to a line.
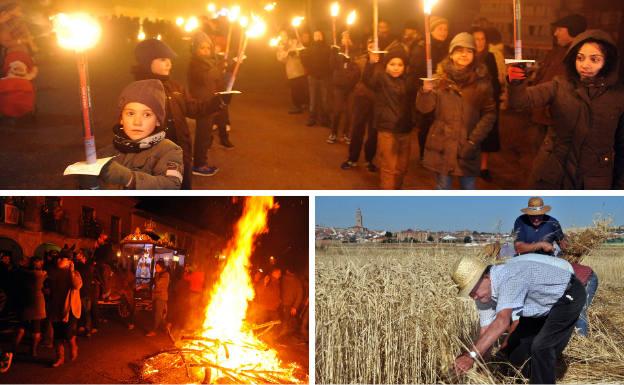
<point>581,242</point>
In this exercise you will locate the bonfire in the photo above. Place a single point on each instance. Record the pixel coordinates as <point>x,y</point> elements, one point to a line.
<point>226,348</point>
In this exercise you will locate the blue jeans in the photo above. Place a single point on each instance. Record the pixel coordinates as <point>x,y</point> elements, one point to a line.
<point>583,323</point>
<point>318,89</point>
<point>445,182</point>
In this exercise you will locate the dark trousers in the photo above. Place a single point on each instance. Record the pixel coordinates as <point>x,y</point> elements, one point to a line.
<point>85,313</point>
<point>299,91</point>
<point>340,102</point>
<point>425,121</point>
<point>362,118</point>
<point>203,140</point>
<point>542,340</point>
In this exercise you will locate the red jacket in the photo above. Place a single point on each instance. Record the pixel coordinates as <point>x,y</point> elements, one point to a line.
<point>17,97</point>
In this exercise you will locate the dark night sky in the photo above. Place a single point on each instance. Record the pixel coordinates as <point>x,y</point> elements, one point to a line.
<point>288,226</point>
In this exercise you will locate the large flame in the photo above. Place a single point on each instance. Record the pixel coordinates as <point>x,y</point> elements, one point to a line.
<point>239,354</point>
<point>226,312</point>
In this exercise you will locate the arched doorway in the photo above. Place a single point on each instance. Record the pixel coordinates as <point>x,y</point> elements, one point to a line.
<point>44,248</point>
<point>10,247</point>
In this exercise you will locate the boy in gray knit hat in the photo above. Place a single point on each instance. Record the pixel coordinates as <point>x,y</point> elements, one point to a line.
<point>143,158</point>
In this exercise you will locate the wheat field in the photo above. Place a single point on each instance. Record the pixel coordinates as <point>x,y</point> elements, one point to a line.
<point>388,313</point>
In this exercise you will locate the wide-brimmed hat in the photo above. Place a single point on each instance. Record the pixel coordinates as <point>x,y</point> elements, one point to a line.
<point>536,207</point>
<point>466,274</point>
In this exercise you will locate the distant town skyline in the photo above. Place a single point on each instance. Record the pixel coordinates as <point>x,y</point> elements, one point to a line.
<point>476,213</point>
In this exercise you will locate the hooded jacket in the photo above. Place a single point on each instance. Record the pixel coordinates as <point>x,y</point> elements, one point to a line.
<point>180,105</point>
<point>464,115</point>
<point>316,60</point>
<point>584,149</point>
<point>394,97</point>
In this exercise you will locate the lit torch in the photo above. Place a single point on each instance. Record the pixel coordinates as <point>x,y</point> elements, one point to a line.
<point>296,23</point>
<point>179,21</point>
<point>79,32</point>
<point>334,11</point>
<point>270,7</point>
<point>256,28</point>
<point>428,6</point>
<point>191,24</point>
<point>517,11</point>
<point>233,15</point>
<point>274,42</point>
<point>350,21</point>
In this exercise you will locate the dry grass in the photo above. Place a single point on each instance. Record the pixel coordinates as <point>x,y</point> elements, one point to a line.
<point>389,314</point>
<point>581,242</point>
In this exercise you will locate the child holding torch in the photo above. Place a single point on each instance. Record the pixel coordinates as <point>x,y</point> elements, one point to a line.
<point>143,159</point>
<point>154,62</point>
<point>394,100</point>
<point>584,149</point>
<point>464,113</point>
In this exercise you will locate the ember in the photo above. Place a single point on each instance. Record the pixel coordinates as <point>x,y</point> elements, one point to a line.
<point>226,349</point>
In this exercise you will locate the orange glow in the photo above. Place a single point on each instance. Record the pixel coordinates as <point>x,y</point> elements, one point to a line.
<point>237,347</point>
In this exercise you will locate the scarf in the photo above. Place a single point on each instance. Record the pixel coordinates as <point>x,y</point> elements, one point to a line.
<point>594,86</point>
<point>460,77</point>
<point>126,145</point>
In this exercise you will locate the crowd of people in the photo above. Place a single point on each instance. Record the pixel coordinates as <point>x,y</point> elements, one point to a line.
<point>354,89</point>
<point>535,296</point>
<point>58,297</point>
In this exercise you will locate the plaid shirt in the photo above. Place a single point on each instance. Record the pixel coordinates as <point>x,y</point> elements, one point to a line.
<point>529,288</point>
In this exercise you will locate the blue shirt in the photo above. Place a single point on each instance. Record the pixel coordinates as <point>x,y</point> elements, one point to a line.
<point>549,231</point>
<point>527,287</point>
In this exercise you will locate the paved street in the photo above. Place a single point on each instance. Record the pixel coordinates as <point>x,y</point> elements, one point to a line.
<point>273,150</point>
<point>113,355</point>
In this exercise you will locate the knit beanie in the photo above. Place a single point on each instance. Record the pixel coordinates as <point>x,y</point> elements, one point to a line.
<point>150,49</point>
<point>435,21</point>
<point>463,39</point>
<point>395,53</point>
<point>198,39</point>
<point>149,92</point>
<point>575,23</point>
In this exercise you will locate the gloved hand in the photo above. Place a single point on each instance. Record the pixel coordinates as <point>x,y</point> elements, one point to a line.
<point>516,74</point>
<point>226,98</point>
<point>88,182</point>
<point>114,173</point>
<point>468,150</point>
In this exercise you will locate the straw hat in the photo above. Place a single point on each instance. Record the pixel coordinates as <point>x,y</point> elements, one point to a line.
<point>536,207</point>
<point>466,274</point>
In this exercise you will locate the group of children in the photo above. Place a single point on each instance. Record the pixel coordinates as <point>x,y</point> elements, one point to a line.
<point>457,110</point>
<point>152,144</point>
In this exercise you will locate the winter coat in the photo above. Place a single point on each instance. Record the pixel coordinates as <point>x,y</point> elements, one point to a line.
<point>161,286</point>
<point>292,291</point>
<point>464,115</point>
<point>34,300</point>
<point>315,60</point>
<point>179,106</point>
<point>584,149</point>
<point>61,282</point>
<point>287,53</point>
<point>159,167</point>
<point>394,99</point>
<point>205,78</point>
<point>551,66</point>
<point>17,97</point>
<point>345,73</point>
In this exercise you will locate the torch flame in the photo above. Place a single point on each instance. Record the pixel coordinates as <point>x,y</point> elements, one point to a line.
<point>191,24</point>
<point>179,21</point>
<point>351,17</point>
<point>334,9</point>
<point>428,5</point>
<point>243,21</point>
<point>234,13</point>
<point>270,7</point>
<point>76,31</point>
<point>256,28</point>
<point>274,42</point>
<point>211,7</point>
<point>296,21</point>
<point>141,35</point>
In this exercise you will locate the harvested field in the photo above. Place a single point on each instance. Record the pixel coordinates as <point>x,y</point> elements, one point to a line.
<point>387,313</point>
